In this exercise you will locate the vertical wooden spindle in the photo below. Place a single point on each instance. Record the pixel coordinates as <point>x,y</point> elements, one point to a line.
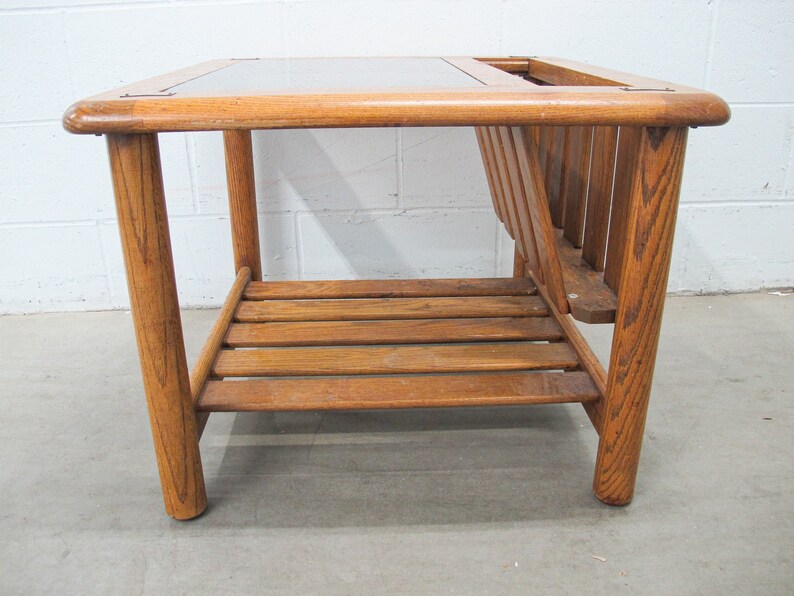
<point>242,201</point>
<point>599,196</point>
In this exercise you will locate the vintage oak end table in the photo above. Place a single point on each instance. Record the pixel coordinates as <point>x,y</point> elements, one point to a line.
<point>584,167</point>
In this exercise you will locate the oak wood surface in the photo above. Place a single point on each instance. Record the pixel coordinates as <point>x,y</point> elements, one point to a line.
<point>490,176</point>
<point>389,288</point>
<point>625,167</point>
<point>652,208</point>
<point>531,250</point>
<point>203,367</point>
<point>590,300</point>
<point>589,362</point>
<point>242,201</point>
<point>555,159</point>
<point>396,391</point>
<point>580,94</point>
<point>381,360</point>
<point>537,206</point>
<point>146,243</point>
<point>519,264</point>
<point>406,331</point>
<point>599,196</point>
<point>576,174</point>
<point>390,308</point>
<point>508,200</point>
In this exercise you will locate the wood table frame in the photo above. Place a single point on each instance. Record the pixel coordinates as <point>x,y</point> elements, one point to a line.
<point>584,167</point>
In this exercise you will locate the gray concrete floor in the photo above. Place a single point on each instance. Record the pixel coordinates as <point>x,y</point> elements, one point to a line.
<point>460,501</point>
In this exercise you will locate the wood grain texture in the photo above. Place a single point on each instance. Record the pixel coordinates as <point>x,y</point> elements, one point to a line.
<point>526,236</point>
<point>383,360</point>
<point>242,201</point>
<point>143,224</point>
<point>519,264</point>
<point>513,224</point>
<point>499,183</point>
<point>537,205</point>
<point>406,331</point>
<point>576,175</point>
<point>394,391</point>
<point>589,362</point>
<point>580,94</point>
<point>493,187</point>
<point>652,209</point>
<point>590,300</point>
<point>390,308</point>
<point>203,367</point>
<point>555,159</point>
<point>599,196</point>
<point>626,163</point>
<point>389,288</point>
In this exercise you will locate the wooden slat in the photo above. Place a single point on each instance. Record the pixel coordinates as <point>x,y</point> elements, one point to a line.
<point>390,308</point>
<point>543,147</point>
<point>599,196</point>
<point>589,362</point>
<point>408,331</point>
<point>490,175</point>
<point>203,366</point>
<point>514,226</point>
<point>389,288</point>
<point>519,264</point>
<point>590,300</point>
<point>501,190</point>
<point>553,174</point>
<point>381,360</point>
<point>626,162</point>
<point>576,173</point>
<point>518,192</point>
<point>396,391</point>
<point>537,204</point>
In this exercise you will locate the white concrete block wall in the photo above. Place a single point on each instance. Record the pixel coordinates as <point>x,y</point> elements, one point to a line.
<point>390,202</point>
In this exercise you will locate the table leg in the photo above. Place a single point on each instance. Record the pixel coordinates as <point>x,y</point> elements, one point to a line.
<point>242,201</point>
<point>652,208</point>
<point>145,238</point>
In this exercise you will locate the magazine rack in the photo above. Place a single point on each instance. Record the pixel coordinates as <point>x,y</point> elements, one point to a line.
<point>584,166</point>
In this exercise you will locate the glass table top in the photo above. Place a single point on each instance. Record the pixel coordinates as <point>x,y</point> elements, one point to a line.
<point>330,73</point>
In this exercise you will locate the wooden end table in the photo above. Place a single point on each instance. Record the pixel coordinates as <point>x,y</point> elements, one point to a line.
<point>584,166</point>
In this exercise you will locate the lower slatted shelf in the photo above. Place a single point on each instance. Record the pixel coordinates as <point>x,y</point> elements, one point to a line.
<point>386,344</point>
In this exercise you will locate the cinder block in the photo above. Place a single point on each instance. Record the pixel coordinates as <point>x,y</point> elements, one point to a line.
<point>49,175</point>
<point>300,169</point>
<point>744,160</point>
<point>203,257</point>
<point>663,39</point>
<point>733,248</point>
<point>442,167</point>
<point>34,69</point>
<point>398,244</point>
<point>385,28</point>
<point>753,51</point>
<point>119,45</point>
<point>52,268</point>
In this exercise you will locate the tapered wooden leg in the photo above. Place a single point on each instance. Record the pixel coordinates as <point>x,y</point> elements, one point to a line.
<point>242,201</point>
<point>651,216</point>
<point>143,223</point>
